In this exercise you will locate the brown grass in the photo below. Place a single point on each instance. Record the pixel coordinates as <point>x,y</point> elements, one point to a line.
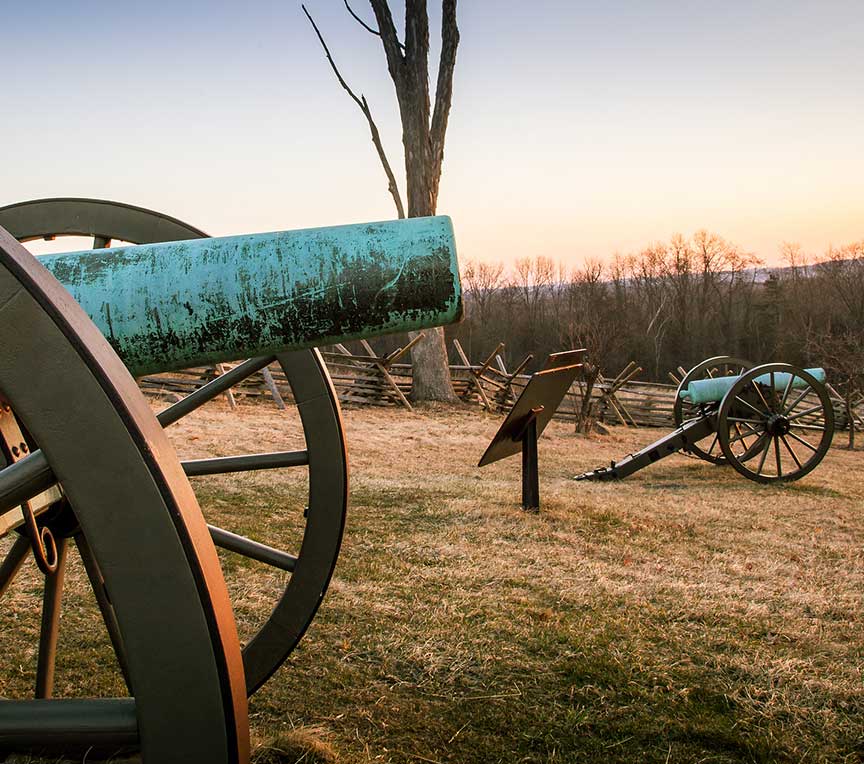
<point>682,615</point>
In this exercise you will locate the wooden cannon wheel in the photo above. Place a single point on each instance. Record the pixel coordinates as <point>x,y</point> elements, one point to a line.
<point>718,366</point>
<point>126,506</point>
<point>775,428</point>
<point>311,563</point>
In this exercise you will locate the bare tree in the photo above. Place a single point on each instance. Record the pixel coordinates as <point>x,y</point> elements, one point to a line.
<point>423,132</point>
<point>481,282</point>
<point>591,323</point>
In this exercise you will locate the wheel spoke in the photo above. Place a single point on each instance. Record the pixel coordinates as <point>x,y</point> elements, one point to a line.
<point>798,400</point>
<point>802,441</point>
<point>26,478</point>
<point>12,564</point>
<point>764,455</point>
<point>223,464</point>
<point>786,391</point>
<point>51,601</point>
<point>743,420</point>
<point>791,451</point>
<point>741,436</point>
<point>255,550</point>
<point>713,444</point>
<point>777,456</point>
<point>738,436</point>
<point>812,410</point>
<point>213,388</point>
<point>758,389</point>
<point>750,406</point>
<point>73,722</point>
<point>97,583</point>
<point>754,448</point>
<point>814,427</point>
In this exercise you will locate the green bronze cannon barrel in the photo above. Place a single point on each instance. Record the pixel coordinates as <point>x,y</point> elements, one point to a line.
<point>185,303</point>
<point>713,390</point>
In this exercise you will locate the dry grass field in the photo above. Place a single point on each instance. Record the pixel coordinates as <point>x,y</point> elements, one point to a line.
<point>683,615</point>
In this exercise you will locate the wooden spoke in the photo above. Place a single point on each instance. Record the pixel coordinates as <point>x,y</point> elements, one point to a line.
<point>109,617</point>
<point>254,550</point>
<point>213,388</point>
<point>786,392</point>
<point>741,436</point>
<point>794,404</point>
<point>806,412</point>
<point>764,455</point>
<point>750,451</point>
<point>13,562</point>
<point>245,463</point>
<point>51,601</point>
<point>791,452</point>
<point>738,436</point>
<point>811,427</point>
<point>777,455</point>
<point>802,441</point>
<point>758,388</point>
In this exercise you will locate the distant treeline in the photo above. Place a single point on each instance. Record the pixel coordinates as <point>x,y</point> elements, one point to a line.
<point>674,304</point>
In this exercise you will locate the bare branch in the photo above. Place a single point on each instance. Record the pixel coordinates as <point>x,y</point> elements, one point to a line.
<point>417,35</point>
<point>364,107</point>
<point>444,85</point>
<point>364,24</point>
<point>392,46</point>
<point>330,59</point>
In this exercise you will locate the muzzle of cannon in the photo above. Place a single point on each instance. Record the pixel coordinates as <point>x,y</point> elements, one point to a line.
<point>771,423</point>
<point>86,465</point>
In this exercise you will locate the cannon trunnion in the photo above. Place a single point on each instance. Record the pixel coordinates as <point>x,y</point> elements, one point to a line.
<point>270,309</point>
<point>771,423</point>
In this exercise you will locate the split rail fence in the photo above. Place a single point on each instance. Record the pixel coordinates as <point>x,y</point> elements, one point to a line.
<point>369,378</point>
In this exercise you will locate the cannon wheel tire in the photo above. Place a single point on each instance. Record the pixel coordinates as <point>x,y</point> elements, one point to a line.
<point>718,366</point>
<point>324,456</point>
<point>775,431</point>
<point>126,504</point>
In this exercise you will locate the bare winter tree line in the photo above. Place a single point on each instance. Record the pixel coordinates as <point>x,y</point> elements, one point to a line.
<point>674,304</point>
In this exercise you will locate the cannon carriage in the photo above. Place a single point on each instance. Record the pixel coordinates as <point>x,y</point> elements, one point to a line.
<point>771,423</point>
<point>72,416</point>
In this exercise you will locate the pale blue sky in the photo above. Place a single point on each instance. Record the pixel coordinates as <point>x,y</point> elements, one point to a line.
<point>578,129</point>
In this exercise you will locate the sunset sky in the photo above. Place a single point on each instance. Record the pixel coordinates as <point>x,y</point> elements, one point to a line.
<point>578,129</point>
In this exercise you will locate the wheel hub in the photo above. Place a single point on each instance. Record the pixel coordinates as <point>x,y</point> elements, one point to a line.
<point>777,424</point>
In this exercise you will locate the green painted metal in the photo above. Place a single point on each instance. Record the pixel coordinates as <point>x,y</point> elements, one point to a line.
<point>712,390</point>
<point>185,303</point>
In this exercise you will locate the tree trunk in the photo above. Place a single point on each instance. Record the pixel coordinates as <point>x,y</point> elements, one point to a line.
<point>850,417</point>
<point>431,373</point>
<point>585,418</point>
<point>423,132</point>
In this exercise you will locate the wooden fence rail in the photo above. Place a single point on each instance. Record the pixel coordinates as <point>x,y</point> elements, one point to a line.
<point>371,379</point>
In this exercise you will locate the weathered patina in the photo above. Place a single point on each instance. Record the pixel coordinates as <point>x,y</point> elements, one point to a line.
<point>713,390</point>
<point>185,303</point>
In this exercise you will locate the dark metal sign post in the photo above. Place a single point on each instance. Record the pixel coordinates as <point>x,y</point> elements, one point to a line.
<point>530,466</point>
<point>528,418</point>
